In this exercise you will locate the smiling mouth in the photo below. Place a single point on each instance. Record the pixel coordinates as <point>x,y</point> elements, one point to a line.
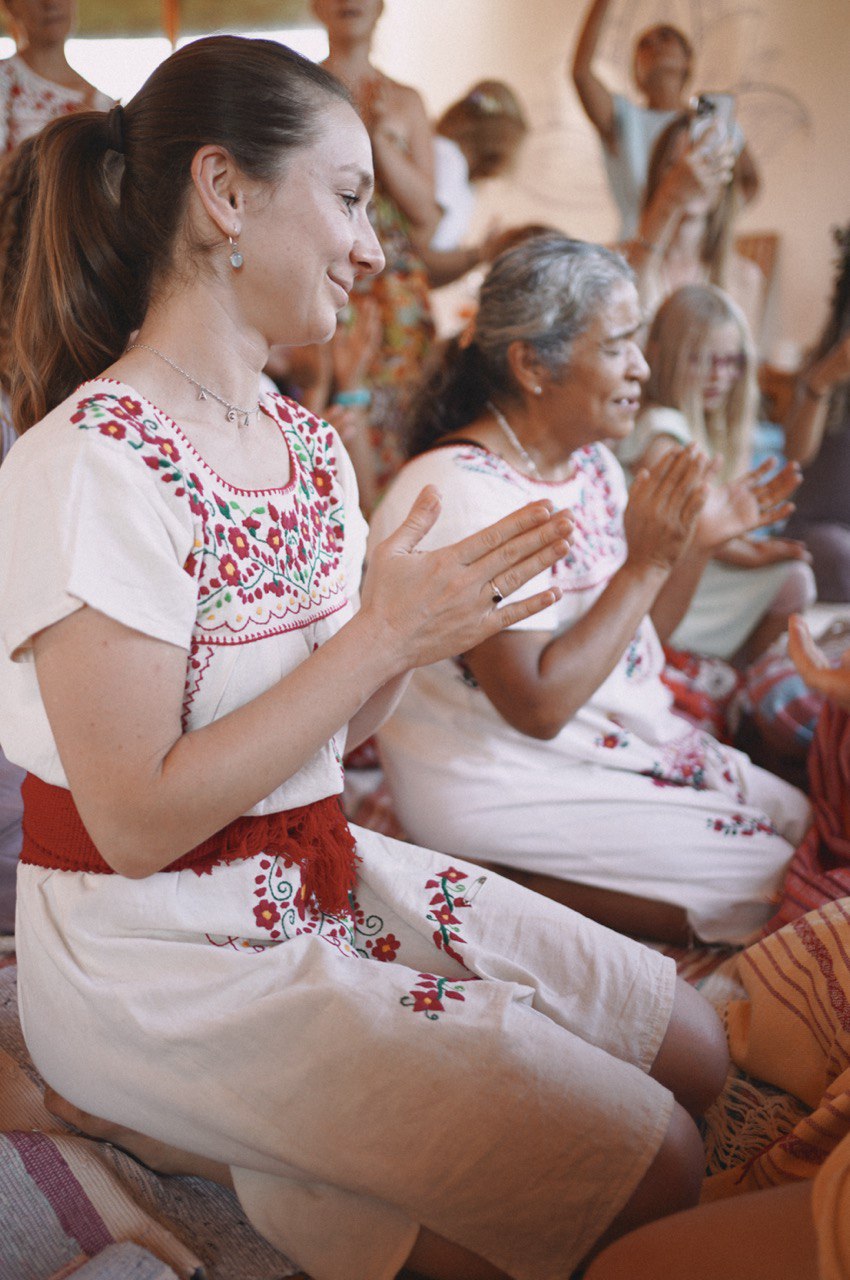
<point>344,289</point>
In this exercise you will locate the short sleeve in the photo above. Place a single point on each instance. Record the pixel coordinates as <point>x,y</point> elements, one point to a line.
<point>83,521</point>
<point>659,421</point>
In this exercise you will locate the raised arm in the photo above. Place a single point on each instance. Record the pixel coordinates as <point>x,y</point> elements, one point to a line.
<point>805,424</point>
<point>148,791</point>
<point>597,100</point>
<point>702,170</point>
<point>538,680</point>
<point>404,154</point>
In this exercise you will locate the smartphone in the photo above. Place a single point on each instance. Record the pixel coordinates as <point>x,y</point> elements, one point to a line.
<point>715,112</point>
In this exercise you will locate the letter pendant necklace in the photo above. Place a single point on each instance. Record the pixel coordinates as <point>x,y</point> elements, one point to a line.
<point>233,413</point>
<point>511,437</point>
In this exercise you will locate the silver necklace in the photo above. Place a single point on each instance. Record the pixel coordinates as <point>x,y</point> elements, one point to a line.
<point>511,437</point>
<point>241,417</point>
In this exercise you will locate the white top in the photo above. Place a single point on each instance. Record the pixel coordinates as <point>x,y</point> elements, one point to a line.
<point>108,504</point>
<point>636,129</point>
<point>454,192</point>
<point>660,420</point>
<point>28,102</point>
<point>478,487</point>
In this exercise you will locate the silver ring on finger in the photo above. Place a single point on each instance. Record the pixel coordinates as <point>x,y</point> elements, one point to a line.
<point>497,596</point>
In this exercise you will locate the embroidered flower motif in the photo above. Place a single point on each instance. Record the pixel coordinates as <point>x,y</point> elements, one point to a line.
<point>429,993</point>
<point>322,482</point>
<point>385,948</point>
<point>112,428</point>
<point>169,450</point>
<point>739,825</point>
<point>266,914</point>
<point>239,542</point>
<point>444,905</point>
<point>283,558</point>
<point>229,570</point>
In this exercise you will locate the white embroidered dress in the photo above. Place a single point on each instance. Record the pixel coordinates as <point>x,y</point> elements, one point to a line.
<point>627,796</point>
<point>453,1051</point>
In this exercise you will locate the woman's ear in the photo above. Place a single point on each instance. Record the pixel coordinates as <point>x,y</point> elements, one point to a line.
<point>527,368</point>
<point>220,188</point>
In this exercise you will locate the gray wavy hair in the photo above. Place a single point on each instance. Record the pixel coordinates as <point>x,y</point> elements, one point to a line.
<point>544,292</point>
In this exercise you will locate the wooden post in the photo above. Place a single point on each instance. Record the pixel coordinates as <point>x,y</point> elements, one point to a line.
<point>171,19</point>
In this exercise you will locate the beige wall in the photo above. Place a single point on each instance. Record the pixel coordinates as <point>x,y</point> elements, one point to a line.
<point>799,50</point>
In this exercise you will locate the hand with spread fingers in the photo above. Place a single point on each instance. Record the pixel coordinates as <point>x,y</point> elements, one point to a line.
<point>428,605</point>
<point>664,504</point>
<point>754,500</point>
<point>753,553</point>
<point>814,666</point>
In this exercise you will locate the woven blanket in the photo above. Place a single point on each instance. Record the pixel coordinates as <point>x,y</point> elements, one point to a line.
<point>65,1198</point>
<point>793,1031</point>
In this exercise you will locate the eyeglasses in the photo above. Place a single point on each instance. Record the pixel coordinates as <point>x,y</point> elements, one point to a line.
<point>714,363</point>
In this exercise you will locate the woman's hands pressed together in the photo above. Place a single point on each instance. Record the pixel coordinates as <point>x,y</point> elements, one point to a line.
<point>665,502</point>
<point>428,605</point>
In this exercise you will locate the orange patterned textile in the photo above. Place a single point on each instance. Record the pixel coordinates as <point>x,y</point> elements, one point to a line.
<point>794,1032</point>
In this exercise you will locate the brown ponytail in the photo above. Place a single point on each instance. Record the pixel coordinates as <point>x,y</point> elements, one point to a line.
<point>105,224</point>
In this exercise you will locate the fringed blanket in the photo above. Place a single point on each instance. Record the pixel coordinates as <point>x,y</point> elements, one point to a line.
<point>793,1031</point>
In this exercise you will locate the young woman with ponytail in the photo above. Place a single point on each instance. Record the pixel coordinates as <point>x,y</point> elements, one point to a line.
<point>215,971</point>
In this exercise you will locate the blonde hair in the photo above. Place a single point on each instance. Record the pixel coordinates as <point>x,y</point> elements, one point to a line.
<point>678,341</point>
<point>487,119</point>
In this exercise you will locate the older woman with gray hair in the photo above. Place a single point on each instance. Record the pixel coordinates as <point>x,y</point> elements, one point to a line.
<point>551,750</point>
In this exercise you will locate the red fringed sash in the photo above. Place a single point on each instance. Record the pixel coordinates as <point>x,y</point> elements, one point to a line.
<point>315,837</point>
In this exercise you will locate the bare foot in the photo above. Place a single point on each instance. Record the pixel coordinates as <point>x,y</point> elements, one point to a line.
<point>158,1156</point>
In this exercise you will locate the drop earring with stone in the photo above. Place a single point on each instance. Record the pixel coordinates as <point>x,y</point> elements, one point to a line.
<point>236,258</point>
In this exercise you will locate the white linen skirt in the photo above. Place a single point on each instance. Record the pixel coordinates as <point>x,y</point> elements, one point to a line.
<point>458,1053</point>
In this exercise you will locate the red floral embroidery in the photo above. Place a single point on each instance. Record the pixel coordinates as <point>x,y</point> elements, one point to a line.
<point>115,429</point>
<point>385,948</point>
<point>443,907</point>
<point>429,993</point>
<point>267,915</point>
<point>239,542</point>
<point>259,564</point>
<point>169,450</point>
<point>229,569</point>
<point>739,825</point>
<point>323,482</point>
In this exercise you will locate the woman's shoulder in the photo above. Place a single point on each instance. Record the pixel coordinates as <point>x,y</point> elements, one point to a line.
<point>468,477</point>
<point>653,421</point>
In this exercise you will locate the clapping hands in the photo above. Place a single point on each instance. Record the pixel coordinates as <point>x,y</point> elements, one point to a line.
<point>429,605</point>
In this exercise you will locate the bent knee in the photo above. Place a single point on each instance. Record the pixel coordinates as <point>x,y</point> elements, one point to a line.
<point>693,1061</point>
<point>673,1180</point>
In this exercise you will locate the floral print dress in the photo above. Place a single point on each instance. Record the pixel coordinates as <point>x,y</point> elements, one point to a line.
<point>450,1050</point>
<point>628,796</point>
<point>407,335</point>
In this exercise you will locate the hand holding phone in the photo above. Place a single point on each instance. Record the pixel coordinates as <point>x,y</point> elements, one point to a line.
<point>714,114</point>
